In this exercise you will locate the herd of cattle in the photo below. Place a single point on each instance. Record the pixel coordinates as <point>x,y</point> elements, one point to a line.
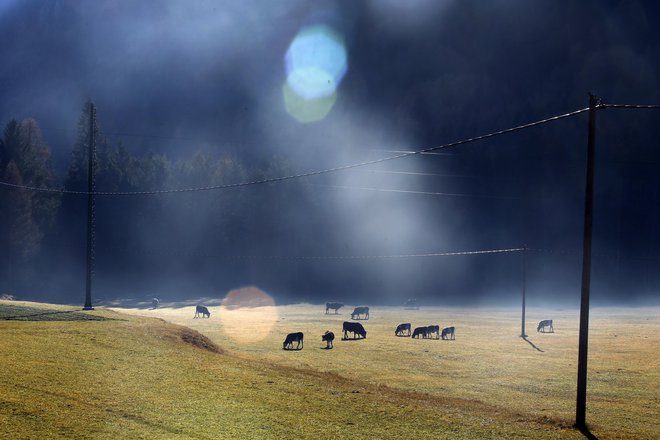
<point>426,332</point>
<point>358,332</point>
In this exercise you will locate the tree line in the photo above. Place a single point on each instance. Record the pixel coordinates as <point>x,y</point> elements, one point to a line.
<point>42,234</point>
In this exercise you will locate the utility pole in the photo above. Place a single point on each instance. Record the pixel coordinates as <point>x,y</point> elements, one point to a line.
<point>90,206</point>
<point>581,401</point>
<point>524,285</point>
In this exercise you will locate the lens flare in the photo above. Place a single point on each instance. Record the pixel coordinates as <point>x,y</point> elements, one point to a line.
<point>306,110</point>
<point>248,314</point>
<point>315,62</point>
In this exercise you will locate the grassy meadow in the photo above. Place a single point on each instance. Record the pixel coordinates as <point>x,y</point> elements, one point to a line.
<point>123,375</point>
<point>488,362</point>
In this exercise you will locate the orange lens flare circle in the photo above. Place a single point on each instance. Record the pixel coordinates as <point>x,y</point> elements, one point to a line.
<point>248,314</point>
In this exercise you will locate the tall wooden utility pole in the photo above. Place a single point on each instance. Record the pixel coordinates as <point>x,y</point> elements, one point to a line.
<point>524,286</point>
<point>581,402</point>
<point>90,205</point>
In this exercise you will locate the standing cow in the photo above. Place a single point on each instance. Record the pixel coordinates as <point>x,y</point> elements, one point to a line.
<point>360,311</point>
<point>355,328</point>
<point>333,306</point>
<point>448,333</point>
<point>431,330</point>
<point>328,337</point>
<point>543,324</point>
<point>401,329</point>
<point>419,331</point>
<point>291,338</point>
<point>201,310</point>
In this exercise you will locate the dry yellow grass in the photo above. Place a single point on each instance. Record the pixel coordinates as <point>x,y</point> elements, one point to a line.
<point>136,377</point>
<point>486,363</point>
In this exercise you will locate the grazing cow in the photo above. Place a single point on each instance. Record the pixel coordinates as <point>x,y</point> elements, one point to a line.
<point>328,337</point>
<point>360,311</point>
<point>154,303</point>
<point>419,331</point>
<point>333,306</point>
<point>355,328</point>
<point>543,324</point>
<point>401,328</point>
<point>431,329</point>
<point>448,333</point>
<point>201,310</point>
<point>291,338</point>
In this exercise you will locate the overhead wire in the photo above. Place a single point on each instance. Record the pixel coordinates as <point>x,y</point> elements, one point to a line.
<point>428,193</point>
<point>346,257</point>
<point>309,173</point>
<point>333,169</point>
<point>637,106</point>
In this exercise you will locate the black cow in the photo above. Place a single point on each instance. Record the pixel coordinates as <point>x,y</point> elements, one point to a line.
<point>401,328</point>
<point>360,311</point>
<point>431,329</point>
<point>419,331</point>
<point>355,328</point>
<point>201,310</point>
<point>291,338</point>
<point>328,337</point>
<point>543,324</point>
<point>448,333</point>
<point>333,306</point>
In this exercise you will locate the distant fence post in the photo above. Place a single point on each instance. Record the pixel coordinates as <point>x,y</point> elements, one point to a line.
<point>524,286</point>
<point>581,401</point>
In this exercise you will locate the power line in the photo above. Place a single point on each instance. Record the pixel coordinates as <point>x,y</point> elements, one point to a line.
<point>637,106</point>
<point>413,151</point>
<point>345,257</point>
<point>310,173</point>
<point>415,173</point>
<point>553,252</point>
<point>429,193</point>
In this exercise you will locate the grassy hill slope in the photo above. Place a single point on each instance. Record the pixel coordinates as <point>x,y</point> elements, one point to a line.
<point>135,377</point>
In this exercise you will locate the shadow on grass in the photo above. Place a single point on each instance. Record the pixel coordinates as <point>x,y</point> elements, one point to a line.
<point>22,313</point>
<point>587,434</point>
<point>532,344</point>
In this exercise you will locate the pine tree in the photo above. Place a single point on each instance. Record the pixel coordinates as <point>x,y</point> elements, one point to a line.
<point>76,179</point>
<point>20,233</point>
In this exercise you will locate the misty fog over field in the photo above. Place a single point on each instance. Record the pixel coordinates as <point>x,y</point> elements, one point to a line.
<point>191,94</point>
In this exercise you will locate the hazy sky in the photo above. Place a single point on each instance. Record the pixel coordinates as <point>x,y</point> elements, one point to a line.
<point>328,83</point>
